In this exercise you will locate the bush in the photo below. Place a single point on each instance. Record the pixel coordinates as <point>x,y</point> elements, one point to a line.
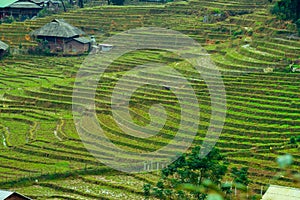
<point>298,26</point>
<point>293,140</point>
<point>41,49</point>
<point>256,197</point>
<point>44,12</point>
<point>250,32</point>
<point>298,138</point>
<point>238,32</point>
<point>216,11</point>
<point>287,10</point>
<point>117,2</point>
<point>8,19</point>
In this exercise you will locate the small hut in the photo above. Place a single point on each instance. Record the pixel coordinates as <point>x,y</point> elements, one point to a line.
<point>63,37</point>
<point>8,195</point>
<point>3,48</point>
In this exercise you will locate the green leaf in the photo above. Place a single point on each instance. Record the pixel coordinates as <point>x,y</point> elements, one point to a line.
<point>214,197</point>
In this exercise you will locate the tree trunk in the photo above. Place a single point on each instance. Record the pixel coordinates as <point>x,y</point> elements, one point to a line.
<point>80,3</point>
<point>62,2</point>
<point>298,9</point>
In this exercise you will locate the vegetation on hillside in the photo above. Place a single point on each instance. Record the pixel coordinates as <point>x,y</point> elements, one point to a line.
<point>190,169</point>
<point>42,155</point>
<point>192,177</point>
<point>288,10</point>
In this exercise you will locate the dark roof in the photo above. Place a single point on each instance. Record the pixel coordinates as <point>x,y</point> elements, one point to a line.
<point>3,46</point>
<point>5,194</point>
<point>45,1</point>
<point>39,1</point>
<point>5,3</point>
<point>23,4</point>
<point>82,40</point>
<point>58,28</point>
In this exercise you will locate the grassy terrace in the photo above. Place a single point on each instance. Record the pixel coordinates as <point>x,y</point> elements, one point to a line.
<point>41,153</point>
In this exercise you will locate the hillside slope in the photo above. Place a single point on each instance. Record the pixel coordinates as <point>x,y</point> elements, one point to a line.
<point>41,153</point>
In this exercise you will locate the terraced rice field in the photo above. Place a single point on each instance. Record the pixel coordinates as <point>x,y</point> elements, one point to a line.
<point>42,155</point>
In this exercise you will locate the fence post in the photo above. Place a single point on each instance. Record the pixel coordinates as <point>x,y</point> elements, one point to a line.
<point>234,190</point>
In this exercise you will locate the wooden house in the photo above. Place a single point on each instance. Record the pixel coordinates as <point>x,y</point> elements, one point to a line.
<point>63,38</point>
<point>8,195</point>
<point>19,8</point>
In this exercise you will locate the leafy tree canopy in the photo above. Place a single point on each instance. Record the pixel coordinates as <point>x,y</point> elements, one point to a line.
<point>287,10</point>
<point>116,2</point>
<point>189,169</point>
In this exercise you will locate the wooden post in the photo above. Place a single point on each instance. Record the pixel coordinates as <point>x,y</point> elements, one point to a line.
<point>234,190</point>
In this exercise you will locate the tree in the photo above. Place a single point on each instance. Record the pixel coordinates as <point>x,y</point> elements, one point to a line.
<point>62,2</point>
<point>240,176</point>
<point>80,3</point>
<point>288,10</point>
<point>117,2</point>
<point>191,170</point>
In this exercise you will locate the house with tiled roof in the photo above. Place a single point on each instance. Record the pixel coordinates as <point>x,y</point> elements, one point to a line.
<point>62,37</point>
<point>19,8</point>
<point>9,195</point>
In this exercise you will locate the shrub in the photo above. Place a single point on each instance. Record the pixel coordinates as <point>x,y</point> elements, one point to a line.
<point>293,140</point>
<point>44,12</point>
<point>238,32</point>
<point>147,188</point>
<point>298,138</point>
<point>117,2</point>
<point>256,197</point>
<point>41,49</point>
<point>8,19</point>
<point>216,11</point>
<point>250,32</point>
<point>287,10</point>
<point>298,26</point>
